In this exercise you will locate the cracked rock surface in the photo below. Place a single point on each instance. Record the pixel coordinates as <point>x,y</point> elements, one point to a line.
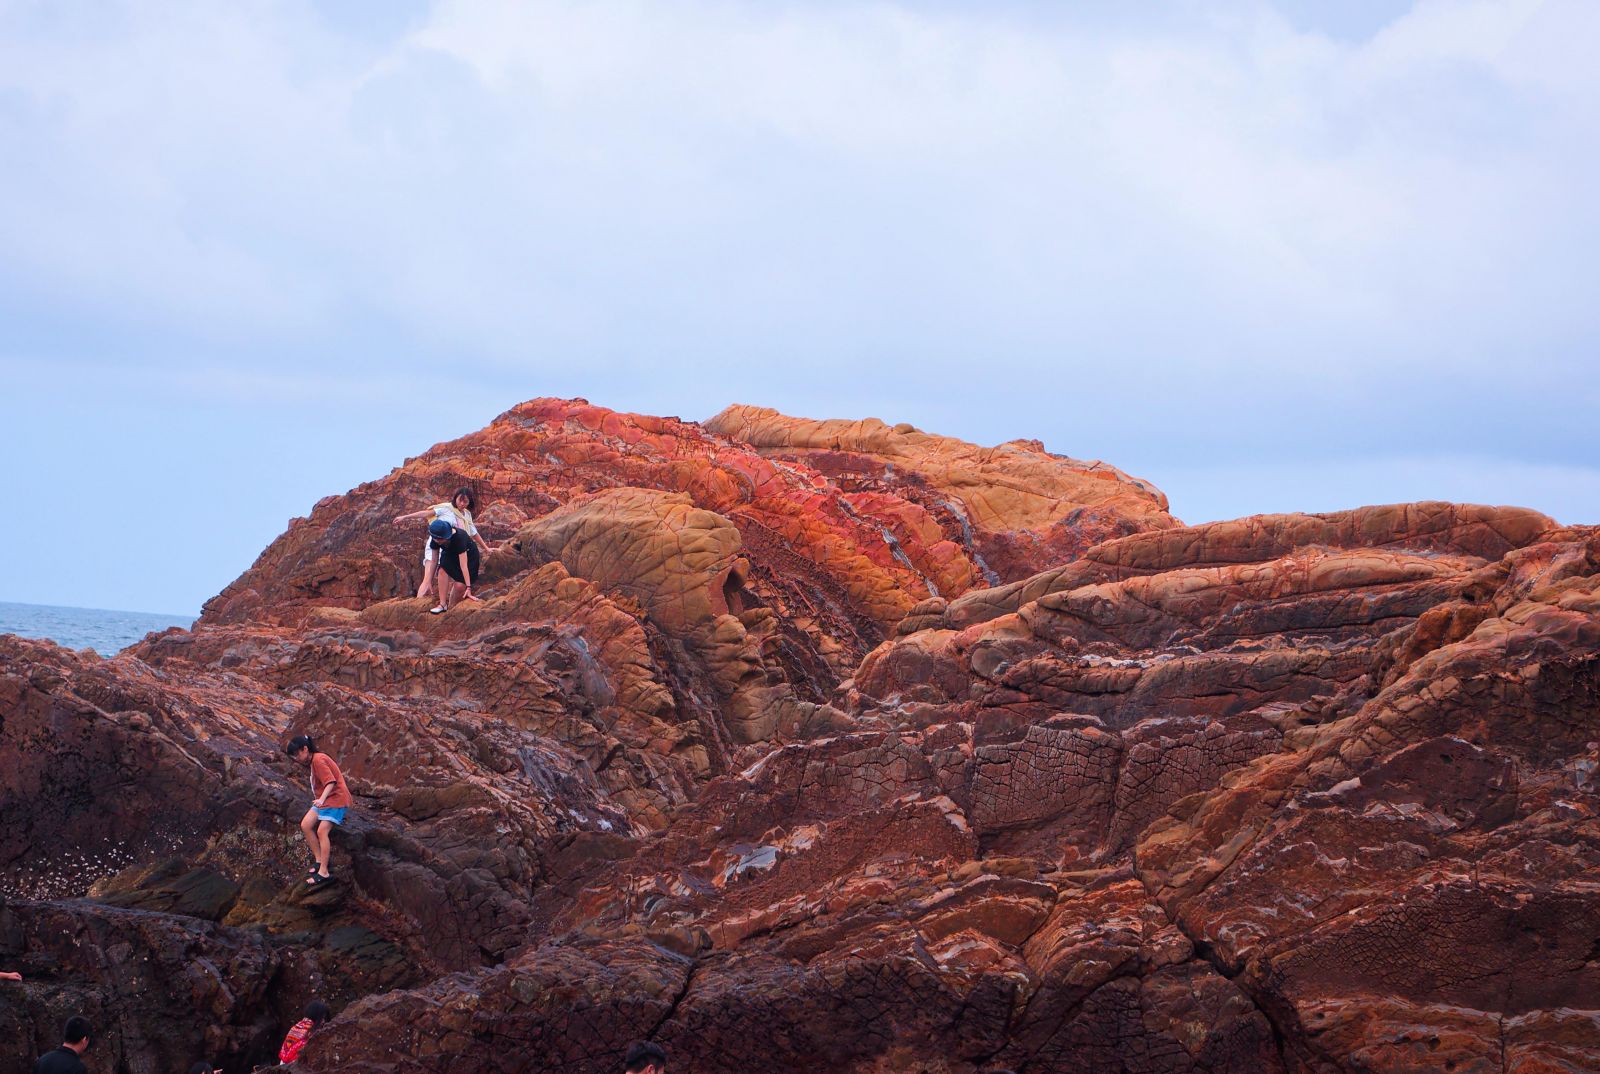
<point>836,747</point>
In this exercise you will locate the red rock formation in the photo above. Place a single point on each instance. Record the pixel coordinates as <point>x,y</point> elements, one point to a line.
<point>740,753</point>
<point>1016,507</point>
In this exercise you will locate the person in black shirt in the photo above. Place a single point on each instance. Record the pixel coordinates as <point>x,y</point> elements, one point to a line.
<point>67,1059</point>
<point>645,1058</point>
<point>458,558</point>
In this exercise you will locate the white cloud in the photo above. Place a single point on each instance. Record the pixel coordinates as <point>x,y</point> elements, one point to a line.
<point>513,176</point>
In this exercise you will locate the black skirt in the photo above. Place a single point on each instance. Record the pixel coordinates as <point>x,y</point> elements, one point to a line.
<point>450,562</point>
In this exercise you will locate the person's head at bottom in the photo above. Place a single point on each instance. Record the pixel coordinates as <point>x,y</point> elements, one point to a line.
<point>645,1058</point>
<point>318,1012</point>
<point>75,1034</point>
<point>203,1067</point>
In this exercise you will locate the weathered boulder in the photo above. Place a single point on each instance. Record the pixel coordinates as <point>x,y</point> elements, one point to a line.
<point>1433,851</point>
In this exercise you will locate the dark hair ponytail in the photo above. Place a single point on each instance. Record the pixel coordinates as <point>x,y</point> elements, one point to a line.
<point>317,1011</point>
<point>298,743</point>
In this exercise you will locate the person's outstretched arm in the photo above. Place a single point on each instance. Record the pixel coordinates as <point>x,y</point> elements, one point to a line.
<point>10,975</point>
<point>413,516</point>
<point>472,531</point>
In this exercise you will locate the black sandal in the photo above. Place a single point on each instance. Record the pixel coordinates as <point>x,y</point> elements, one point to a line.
<point>316,880</point>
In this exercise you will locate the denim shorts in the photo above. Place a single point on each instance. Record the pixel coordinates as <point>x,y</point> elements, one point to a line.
<point>334,816</point>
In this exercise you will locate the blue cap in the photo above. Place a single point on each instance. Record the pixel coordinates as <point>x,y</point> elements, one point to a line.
<point>441,529</point>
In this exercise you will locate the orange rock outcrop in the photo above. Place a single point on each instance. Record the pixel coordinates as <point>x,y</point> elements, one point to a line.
<point>1016,504</point>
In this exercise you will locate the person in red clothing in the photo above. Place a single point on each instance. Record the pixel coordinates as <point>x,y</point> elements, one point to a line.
<point>330,799</point>
<point>294,1041</point>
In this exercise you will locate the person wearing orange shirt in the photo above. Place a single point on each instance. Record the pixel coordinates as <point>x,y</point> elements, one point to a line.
<point>330,799</point>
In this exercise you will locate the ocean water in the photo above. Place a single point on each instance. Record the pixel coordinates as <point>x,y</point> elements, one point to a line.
<point>106,632</point>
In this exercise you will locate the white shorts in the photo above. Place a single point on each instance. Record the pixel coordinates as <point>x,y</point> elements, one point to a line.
<point>430,554</point>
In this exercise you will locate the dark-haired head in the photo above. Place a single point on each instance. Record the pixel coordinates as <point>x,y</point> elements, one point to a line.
<point>463,491</point>
<point>298,743</point>
<point>318,1012</point>
<point>76,1031</point>
<point>644,1055</point>
<point>201,1067</point>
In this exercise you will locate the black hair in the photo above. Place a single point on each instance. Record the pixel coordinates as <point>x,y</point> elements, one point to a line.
<point>201,1067</point>
<point>318,1012</point>
<point>472,501</point>
<point>642,1054</point>
<point>76,1029</point>
<point>300,742</point>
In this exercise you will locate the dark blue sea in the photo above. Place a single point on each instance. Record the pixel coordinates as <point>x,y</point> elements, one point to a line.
<point>106,632</point>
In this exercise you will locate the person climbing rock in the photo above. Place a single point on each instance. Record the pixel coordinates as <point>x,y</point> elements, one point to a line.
<point>330,799</point>
<point>294,1042</point>
<point>645,1058</point>
<point>67,1059</point>
<point>458,558</point>
<point>457,511</point>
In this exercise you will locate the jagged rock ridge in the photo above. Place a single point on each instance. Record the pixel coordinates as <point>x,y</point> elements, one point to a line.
<point>839,746</point>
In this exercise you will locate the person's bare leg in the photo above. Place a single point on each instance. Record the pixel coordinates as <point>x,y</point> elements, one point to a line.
<point>427,578</point>
<point>452,591</point>
<point>324,845</point>
<point>308,827</point>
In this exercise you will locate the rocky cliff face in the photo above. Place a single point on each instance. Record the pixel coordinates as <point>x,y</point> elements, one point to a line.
<point>831,746</point>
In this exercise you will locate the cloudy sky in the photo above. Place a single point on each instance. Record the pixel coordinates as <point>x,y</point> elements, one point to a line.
<point>1271,256</point>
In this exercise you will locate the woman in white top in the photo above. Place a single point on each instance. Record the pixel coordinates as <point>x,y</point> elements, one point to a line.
<point>458,512</point>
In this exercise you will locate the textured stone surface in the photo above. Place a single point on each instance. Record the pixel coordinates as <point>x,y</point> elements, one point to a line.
<point>1016,506</point>
<point>834,746</point>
